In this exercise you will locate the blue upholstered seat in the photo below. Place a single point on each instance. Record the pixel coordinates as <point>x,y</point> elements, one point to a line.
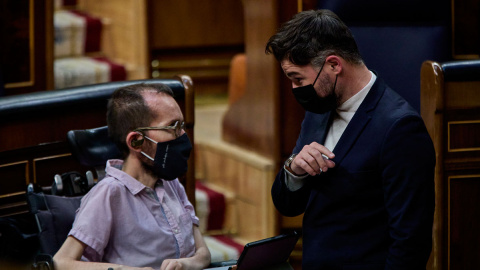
<point>396,37</point>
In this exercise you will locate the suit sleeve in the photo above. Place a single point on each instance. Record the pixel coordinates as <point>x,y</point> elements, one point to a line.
<point>408,162</point>
<point>293,203</point>
<point>289,203</point>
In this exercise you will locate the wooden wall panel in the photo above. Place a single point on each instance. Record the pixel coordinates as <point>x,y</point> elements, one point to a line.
<point>246,179</point>
<point>466,29</point>
<point>15,177</point>
<point>209,67</point>
<point>198,38</point>
<point>460,95</point>
<point>464,221</point>
<point>463,136</point>
<point>193,24</point>
<point>45,167</point>
<point>26,50</point>
<point>49,126</point>
<point>35,164</point>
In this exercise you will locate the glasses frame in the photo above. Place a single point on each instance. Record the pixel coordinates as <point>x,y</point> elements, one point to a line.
<point>177,128</point>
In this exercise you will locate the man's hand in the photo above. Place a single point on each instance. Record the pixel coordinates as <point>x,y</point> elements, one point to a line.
<point>313,159</point>
<point>172,264</point>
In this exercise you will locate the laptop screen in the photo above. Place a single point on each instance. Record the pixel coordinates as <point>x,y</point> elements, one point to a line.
<point>267,252</point>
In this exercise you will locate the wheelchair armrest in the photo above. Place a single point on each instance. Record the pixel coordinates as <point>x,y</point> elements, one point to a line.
<point>43,262</point>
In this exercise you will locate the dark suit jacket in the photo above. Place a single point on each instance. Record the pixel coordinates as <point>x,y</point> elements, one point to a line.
<point>374,210</point>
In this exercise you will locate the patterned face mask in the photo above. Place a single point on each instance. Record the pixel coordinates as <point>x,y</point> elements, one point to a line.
<point>171,157</point>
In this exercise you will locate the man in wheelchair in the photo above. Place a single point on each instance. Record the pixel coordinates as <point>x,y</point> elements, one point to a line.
<point>139,215</point>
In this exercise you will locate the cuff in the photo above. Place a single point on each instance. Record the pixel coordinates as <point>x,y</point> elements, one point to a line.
<point>294,182</point>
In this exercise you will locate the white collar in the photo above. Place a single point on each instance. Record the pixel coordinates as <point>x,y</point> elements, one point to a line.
<point>352,104</point>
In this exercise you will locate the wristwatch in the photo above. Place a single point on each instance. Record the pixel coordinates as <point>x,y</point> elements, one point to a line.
<point>287,164</point>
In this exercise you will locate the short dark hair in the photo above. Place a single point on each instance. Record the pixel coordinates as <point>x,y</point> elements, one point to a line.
<point>127,110</point>
<point>310,36</point>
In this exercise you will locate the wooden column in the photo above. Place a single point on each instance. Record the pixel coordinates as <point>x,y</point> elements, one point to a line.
<point>252,121</point>
<point>256,120</point>
<point>266,119</point>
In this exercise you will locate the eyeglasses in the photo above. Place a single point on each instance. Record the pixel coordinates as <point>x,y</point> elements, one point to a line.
<point>177,128</point>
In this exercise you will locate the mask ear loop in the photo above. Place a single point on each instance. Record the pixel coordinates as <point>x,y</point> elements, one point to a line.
<point>149,157</point>
<point>319,73</point>
<point>137,143</point>
<point>150,139</point>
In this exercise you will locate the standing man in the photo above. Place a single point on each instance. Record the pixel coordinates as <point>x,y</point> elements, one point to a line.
<point>139,214</point>
<point>362,170</point>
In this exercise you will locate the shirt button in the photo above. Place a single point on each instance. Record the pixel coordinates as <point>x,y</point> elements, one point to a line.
<point>176,230</point>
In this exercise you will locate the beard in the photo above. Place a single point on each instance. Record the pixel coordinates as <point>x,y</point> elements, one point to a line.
<point>308,97</point>
<point>148,166</point>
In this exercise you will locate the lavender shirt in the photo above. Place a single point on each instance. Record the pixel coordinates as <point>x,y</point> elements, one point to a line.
<point>122,221</point>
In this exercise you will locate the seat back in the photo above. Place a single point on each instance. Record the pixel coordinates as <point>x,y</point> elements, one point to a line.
<point>396,37</point>
<point>54,216</point>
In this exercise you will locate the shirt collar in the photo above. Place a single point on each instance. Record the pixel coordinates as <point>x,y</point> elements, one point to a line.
<point>114,169</point>
<point>352,104</point>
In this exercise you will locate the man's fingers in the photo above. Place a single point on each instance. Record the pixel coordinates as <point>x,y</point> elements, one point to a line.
<point>323,150</point>
<point>307,167</point>
<point>314,159</point>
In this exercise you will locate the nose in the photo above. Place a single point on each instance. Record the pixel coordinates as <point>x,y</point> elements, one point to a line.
<point>182,131</point>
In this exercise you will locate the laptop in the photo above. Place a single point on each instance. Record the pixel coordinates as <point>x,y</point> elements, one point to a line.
<point>265,253</point>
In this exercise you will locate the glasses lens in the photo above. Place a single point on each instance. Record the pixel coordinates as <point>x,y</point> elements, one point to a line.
<point>179,126</point>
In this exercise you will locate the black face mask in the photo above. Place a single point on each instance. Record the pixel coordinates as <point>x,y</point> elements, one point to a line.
<point>310,101</point>
<point>171,157</point>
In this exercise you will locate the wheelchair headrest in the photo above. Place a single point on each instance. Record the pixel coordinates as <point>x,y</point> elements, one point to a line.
<point>92,147</point>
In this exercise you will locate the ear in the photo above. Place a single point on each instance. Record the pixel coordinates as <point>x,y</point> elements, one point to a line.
<point>134,140</point>
<point>334,64</point>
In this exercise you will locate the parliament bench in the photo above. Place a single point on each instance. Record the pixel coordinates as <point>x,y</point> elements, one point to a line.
<point>450,107</point>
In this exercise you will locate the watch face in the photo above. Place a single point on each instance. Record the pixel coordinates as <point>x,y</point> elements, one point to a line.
<point>289,160</point>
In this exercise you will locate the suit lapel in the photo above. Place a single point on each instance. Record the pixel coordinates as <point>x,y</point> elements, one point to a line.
<point>319,127</point>
<point>359,121</point>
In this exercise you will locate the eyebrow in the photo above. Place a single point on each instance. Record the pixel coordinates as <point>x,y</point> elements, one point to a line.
<point>291,74</point>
